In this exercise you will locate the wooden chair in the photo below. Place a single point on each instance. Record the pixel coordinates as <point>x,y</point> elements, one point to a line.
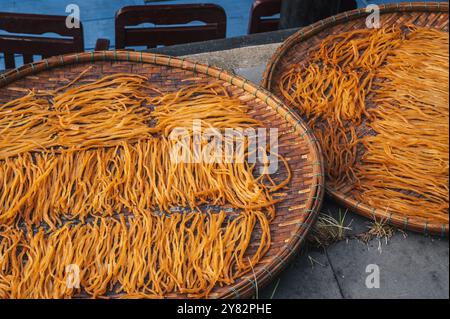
<point>35,24</point>
<point>301,13</point>
<point>260,16</point>
<point>162,16</point>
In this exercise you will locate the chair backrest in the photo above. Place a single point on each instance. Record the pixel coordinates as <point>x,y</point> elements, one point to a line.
<point>35,24</point>
<point>162,16</point>
<point>260,16</point>
<point>302,13</point>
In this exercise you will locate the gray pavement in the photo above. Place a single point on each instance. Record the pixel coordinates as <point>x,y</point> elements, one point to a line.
<point>410,265</point>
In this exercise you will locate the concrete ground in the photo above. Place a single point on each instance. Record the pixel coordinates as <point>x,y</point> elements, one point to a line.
<point>410,265</point>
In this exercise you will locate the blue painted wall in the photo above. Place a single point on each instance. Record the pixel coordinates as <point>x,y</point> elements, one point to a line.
<point>98,15</point>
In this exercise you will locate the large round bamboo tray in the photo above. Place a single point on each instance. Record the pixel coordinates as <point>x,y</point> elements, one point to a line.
<point>298,48</point>
<point>304,194</point>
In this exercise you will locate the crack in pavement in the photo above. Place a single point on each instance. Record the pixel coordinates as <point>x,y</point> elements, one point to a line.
<point>341,292</point>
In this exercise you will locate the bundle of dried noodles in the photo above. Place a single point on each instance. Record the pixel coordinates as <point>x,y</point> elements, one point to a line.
<point>406,164</point>
<point>148,256</point>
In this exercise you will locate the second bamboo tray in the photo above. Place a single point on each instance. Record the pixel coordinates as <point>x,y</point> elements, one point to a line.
<point>305,192</point>
<point>297,49</point>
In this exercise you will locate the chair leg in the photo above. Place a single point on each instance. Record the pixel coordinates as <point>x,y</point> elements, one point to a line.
<point>102,44</point>
<point>10,62</point>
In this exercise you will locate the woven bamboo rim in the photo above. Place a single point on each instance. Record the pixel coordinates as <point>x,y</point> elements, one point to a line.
<point>295,49</point>
<point>295,216</point>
